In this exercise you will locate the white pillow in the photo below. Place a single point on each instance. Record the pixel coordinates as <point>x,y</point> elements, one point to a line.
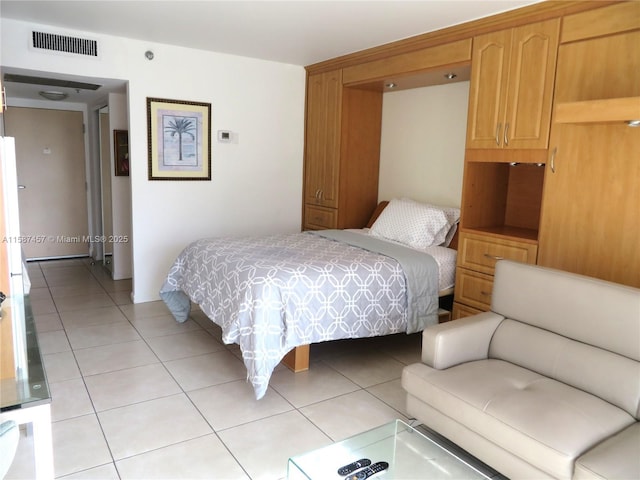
<point>453,218</point>
<point>411,223</point>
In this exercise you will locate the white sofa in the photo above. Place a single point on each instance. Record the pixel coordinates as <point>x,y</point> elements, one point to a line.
<point>545,385</point>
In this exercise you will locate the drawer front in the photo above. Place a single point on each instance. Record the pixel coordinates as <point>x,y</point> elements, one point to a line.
<point>473,289</point>
<point>461,311</point>
<point>318,218</point>
<point>480,253</point>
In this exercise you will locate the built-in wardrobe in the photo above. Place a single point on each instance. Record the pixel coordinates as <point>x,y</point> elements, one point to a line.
<point>551,175</point>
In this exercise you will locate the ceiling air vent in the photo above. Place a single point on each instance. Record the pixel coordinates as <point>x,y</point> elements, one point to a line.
<point>64,43</point>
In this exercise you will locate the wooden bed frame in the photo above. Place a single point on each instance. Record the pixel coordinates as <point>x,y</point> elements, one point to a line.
<point>297,360</point>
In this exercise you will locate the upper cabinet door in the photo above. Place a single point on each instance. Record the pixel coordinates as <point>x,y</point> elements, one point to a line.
<point>534,52</point>
<point>511,92</point>
<point>489,77</point>
<point>324,101</point>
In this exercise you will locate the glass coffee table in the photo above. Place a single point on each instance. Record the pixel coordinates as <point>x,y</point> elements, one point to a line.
<point>24,395</point>
<point>409,453</point>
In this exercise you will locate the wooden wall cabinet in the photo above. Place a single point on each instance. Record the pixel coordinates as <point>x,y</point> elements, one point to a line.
<point>511,91</point>
<point>579,209</point>
<point>510,104</point>
<point>324,101</point>
<point>590,222</point>
<point>564,194</point>
<point>342,153</point>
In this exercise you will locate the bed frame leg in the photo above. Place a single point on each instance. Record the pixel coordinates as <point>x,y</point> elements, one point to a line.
<point>297,360</point>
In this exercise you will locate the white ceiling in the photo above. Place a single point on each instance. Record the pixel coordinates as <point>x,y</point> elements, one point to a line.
<point>299,32</point>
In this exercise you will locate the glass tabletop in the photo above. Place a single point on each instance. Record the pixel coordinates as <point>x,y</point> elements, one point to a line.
<point>409,453</point>
<point>28,387</point>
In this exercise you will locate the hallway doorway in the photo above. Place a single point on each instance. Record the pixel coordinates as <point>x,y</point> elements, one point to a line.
<point>50,154</point>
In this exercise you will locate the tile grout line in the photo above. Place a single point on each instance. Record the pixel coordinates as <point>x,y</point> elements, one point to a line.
<point>95,413</point>
<point>186,393</point>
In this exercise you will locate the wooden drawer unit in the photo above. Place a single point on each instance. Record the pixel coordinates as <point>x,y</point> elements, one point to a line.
<point>473,289</point>
<point>460,311</point>
<point>477,257</point>
<point>318,218</point>
<point>480,252</point>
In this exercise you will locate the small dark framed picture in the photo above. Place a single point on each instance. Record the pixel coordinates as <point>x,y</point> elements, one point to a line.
<point>121,152</point>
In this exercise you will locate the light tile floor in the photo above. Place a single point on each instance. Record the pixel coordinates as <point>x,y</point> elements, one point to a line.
<point>136,395</point>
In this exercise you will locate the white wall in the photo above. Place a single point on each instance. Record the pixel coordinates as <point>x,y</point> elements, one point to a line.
<point>422,145</point>
<point>121,260</point>
<point>257,183</point>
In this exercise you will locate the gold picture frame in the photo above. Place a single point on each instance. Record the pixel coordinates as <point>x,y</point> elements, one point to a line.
<point>179,139</point>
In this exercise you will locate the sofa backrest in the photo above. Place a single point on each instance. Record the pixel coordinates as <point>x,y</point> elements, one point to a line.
<point>578,330</point>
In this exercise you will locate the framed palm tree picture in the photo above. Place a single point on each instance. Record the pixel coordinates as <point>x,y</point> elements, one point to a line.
<point>179,139</point>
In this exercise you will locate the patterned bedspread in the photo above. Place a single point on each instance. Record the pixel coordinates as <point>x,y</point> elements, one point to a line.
<point>272,293</point>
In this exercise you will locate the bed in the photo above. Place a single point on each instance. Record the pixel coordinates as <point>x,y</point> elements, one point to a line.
<point>275,295</point>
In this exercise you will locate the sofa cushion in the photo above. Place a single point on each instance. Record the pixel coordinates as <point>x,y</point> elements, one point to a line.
<point>542,421</point>
<point>616,457</point>
<point>612,377</point>
<point>592,311</point>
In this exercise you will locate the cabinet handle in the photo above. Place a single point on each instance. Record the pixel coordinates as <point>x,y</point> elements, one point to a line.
<point>493,257</point>
<point>506,136</point>
<point>498,127</point>
<point>486,294</point>
<point>552,163</point>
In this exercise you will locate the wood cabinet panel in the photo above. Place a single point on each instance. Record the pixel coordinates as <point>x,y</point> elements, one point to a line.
<point>460,311</point>
<point>480,252</point>
<point>477,257</point>
<point>489,77</point>
<point>598,69</point>
<point>359,156</point>
<point>531,80</point>
<point>590,220</point>
<point>342,153</point>
<point>318,218</point>
<point>511,93</point>
<point>473,289</point>
<point>608,20</point>
<point>501,197</point>
<point>598,111</point>
<point>324,101</point>
<point>409,63</point>
<point>591,210</point>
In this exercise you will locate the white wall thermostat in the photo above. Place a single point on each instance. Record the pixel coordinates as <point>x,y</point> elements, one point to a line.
<point>226,136</point>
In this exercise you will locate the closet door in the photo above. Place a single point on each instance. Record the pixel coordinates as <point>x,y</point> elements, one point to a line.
<point>591,219</point>
<point>324,100</point>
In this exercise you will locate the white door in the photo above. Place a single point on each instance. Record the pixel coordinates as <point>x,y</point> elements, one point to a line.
<point>50,158</point>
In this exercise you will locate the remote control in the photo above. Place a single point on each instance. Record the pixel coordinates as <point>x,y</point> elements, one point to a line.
<point>352,467</point>
<point>369,471</point>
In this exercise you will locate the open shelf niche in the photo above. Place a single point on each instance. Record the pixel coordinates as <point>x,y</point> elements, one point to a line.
<point>503,199</point>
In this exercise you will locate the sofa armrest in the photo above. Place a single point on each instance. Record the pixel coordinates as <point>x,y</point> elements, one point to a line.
<point>616,457</point>
<point>459,341</point>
